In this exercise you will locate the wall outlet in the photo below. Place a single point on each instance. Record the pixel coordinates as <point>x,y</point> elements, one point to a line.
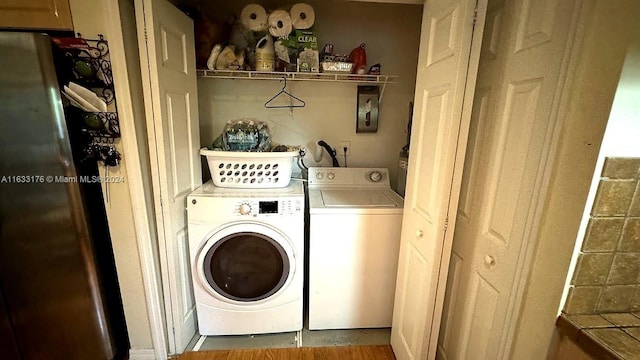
<point>341,146</point>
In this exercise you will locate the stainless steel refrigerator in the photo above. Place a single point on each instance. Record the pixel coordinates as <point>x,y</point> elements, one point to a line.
<point>59,296</point>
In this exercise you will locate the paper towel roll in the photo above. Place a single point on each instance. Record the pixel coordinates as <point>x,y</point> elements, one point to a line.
<point>254,17</point>
<point>302,16</point>
<point>280,24</point>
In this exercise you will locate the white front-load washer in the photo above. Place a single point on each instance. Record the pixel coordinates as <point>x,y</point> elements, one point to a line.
<point>355,222</point>
<point>247,258</point>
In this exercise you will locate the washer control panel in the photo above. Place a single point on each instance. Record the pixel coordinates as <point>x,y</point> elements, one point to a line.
<point>349,176</point>
<point>280,206</point>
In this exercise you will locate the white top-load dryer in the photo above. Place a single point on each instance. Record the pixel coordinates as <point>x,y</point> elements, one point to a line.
<point>354,240</point>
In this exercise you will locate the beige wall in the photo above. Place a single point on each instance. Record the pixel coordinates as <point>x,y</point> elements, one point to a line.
<point>607,33</point>
<point>391,33</point>
<point>89,19</point>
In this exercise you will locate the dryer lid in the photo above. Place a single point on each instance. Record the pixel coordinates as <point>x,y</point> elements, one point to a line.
<point>357,198</point>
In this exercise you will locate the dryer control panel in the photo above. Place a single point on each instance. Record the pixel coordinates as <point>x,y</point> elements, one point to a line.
<point>281,206</point>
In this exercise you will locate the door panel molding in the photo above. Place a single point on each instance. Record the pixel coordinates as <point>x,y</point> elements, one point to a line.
<point>443,46</point>
<point>434,108</point>
<point>484,301</point>
<point>537,27</point>
<point>453,278</point>
<point>476,136</point>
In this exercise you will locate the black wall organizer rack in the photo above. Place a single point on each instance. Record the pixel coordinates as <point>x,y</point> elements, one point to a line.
<point>86,64</point>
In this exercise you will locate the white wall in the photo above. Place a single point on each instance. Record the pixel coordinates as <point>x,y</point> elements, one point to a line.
<point>89,18</point>
<point>391,33</point>
<point>622,137</point>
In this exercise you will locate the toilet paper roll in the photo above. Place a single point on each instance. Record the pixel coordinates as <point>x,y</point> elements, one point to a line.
<point>254,17</point>
<point>302,16</point>
<point>280,24</point>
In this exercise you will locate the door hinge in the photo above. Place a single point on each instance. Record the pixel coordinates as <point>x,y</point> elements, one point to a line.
<point>446,223</point>
<point>475,14</point>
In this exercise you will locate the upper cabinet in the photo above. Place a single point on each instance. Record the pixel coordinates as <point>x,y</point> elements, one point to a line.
<point>35,14</point>
<point>414,2</point>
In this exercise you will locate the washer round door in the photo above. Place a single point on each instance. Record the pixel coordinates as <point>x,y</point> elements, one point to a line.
<point>246,262</point>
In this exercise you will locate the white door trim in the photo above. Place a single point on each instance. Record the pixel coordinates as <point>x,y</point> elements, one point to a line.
<point>560,107</point>
<point>146,68</point>
<point>148,261</point>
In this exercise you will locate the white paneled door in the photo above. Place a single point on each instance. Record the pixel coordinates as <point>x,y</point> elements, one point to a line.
<point>520,81</point>
<point>447,65</point>
<point>174,140</point>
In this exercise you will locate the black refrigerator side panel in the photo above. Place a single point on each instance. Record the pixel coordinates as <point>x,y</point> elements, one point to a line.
<point>48,273</point>
<point>92,198</point>
<point>8,343</point>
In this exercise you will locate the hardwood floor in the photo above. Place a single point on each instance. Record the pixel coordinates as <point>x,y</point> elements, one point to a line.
<point>373,352</point>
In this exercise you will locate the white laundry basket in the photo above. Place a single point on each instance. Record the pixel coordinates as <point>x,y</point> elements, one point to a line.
<point>250,170</point>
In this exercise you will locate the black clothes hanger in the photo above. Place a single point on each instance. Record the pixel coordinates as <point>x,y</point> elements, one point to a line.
<point>301,103</point>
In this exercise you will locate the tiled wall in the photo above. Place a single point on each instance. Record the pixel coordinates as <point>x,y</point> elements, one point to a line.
<point>607,276</point>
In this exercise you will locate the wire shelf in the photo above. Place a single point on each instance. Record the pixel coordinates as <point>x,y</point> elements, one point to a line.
<point>298,76</point>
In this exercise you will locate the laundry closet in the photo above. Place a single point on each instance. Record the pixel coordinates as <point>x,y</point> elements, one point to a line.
<point>390,33</point>
<point>445,46</point>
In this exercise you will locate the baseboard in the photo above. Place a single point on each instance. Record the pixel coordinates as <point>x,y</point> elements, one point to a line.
<point>142,354</point>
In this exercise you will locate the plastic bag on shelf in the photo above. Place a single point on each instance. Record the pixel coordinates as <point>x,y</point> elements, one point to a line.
<point>246,135</point>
